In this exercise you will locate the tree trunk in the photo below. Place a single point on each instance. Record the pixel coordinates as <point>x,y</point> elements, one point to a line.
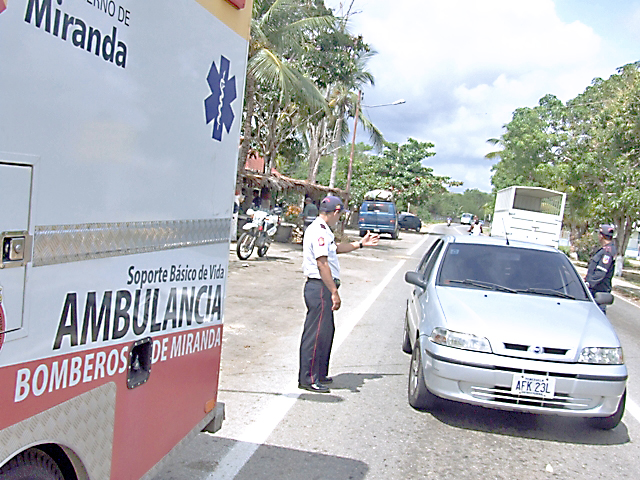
<point>625,229</point>
<point>250,101</point>
<point>336,145</point>
<point>272,144</point>
<point>316,133</point>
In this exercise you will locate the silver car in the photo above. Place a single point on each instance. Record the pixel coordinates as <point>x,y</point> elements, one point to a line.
<point>512,326</point>
<point>466,219</point>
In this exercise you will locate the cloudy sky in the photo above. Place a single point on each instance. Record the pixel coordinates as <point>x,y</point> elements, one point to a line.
<point>464,66</point>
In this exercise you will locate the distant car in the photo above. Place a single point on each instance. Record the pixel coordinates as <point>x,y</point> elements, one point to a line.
<point>466,219</point>
<point>511,326</point>
<point>409,221</point>
<point>378,217</point>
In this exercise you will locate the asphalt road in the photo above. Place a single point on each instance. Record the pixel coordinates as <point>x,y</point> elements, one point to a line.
<point>365,429</point>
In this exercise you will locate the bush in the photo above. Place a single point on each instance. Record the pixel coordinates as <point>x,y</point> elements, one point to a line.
<point>586,246</point>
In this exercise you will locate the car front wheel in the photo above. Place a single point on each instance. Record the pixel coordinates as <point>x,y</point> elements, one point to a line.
<point>607,423</point>
<point>419,396</point>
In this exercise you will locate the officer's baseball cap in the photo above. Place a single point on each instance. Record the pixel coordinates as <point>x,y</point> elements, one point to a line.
<point>331,203</point>
<point>607,230</point>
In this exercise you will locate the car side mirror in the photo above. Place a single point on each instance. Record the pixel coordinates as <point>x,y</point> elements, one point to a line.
<point>603,298</point>
<point>415,278</point>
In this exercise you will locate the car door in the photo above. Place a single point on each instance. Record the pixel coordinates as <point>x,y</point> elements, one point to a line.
<point>419,296</point>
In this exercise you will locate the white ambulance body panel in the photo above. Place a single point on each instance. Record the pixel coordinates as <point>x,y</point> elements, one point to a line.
<point>119,133</point>
<point>529,214</point>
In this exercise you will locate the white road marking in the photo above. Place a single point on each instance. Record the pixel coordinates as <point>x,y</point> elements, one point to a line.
<point>418,245</point>
<point>632,408</point>
<point>257,433</point>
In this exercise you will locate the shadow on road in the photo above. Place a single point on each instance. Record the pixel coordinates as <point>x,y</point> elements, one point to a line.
<point>290,464</point>
<point>355,381</point>
<point>540,427</point>
<point>268,462</point>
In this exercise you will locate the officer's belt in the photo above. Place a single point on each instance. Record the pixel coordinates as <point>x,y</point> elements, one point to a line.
<point>335,280</point>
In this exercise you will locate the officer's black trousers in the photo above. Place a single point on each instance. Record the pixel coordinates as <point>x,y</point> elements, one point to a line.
<point>317,336</point>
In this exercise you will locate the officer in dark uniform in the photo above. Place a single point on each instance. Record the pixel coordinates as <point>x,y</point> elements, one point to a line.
<point>601,264</point>
<point>320,266</point>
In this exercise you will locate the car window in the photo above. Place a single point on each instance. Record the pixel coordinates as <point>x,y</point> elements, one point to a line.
<point>520,270</point>
<point>429,258</point>
<point>378,207</point>
<point>428,267</point>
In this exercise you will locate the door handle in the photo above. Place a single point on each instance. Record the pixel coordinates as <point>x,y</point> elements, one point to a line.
<point>16,249</point>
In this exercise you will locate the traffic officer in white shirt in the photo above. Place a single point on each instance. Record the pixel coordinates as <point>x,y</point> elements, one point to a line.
<point>320,266</point>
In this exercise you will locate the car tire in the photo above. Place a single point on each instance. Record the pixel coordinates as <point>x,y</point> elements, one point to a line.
<point>608,423</point>
<point>32,464</point>
<point>419,395</point>
<point>395,234</point>
<point>363,233</point>
<point>406,341</point>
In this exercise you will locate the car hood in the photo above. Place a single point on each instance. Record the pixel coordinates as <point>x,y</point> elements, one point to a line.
<point>527,326</point>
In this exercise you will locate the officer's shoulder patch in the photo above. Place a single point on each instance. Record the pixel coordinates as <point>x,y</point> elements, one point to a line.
<point>606,259</point>
<point>321,241</point>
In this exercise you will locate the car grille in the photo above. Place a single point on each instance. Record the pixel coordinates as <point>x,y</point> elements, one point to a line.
<point>503,395</point>
<point>525,348</point>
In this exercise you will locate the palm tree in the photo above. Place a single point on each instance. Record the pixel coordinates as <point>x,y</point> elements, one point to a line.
<point>279,35</point>
<point>332,130</point>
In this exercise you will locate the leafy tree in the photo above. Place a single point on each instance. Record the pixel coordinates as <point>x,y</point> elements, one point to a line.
<point>603,158</point>
<point>454,204</point>
<point>532,138</point>
<point>339,64</point>
<point>281,32</point>
<point>400,170</point>
<point>589,148</point>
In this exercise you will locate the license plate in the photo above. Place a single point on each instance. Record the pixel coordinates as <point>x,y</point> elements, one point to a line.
<point>376,230</point>
<point>533,385</point>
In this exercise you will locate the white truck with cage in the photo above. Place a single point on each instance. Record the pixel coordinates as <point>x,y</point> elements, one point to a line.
<point>119,131</point>
<point>530,214</point>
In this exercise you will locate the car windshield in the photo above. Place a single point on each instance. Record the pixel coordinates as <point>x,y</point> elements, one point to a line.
<point>510,269</point>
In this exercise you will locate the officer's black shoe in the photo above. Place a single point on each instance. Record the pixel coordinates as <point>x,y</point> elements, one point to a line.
<point>326,380</point>
<point>314,387</point>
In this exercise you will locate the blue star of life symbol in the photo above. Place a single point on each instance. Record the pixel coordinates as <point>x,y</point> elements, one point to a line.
<point>217,106</point>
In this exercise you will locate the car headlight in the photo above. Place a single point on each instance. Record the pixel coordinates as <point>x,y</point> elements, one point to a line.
<point>465,341</point>
<point>601,356</point>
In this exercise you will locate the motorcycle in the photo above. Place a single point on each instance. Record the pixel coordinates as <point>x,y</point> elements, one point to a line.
<point>449,222</point>
<point>259,232</point>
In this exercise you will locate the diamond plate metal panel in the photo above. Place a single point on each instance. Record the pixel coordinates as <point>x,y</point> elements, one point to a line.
<point>84,424</point>
<point>71,243</point>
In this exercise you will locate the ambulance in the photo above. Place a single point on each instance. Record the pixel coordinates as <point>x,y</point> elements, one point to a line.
<point>119,133</point>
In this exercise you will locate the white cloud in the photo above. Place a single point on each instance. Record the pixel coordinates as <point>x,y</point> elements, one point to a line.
<point>464,66</point>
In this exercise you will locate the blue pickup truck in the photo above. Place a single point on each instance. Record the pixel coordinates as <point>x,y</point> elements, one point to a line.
<point>378,217</point>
